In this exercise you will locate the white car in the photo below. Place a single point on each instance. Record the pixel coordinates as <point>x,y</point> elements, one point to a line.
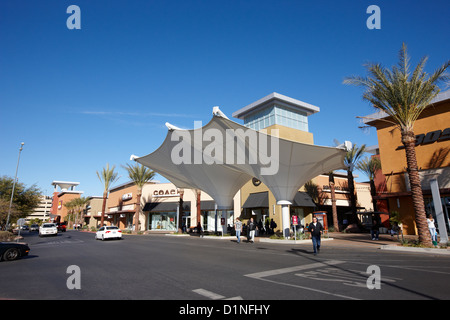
<point>108,233</point>
<point>48,229</point>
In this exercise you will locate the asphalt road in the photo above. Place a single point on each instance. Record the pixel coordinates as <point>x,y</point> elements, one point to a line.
<point>158,267</point>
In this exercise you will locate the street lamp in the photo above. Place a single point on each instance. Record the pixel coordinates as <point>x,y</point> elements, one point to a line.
<point>14,185</point>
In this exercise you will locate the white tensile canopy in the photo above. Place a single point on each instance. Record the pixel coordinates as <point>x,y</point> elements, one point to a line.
<point>220,157</point>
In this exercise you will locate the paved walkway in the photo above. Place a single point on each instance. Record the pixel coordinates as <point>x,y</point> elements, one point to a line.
<point>385,242</point>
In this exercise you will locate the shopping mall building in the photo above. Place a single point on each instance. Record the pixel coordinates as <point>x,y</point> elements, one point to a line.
<point>230,193</point>
<point>432,131</point>
<point>166,207</point>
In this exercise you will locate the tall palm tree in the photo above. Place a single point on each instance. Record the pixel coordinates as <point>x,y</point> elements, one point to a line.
<point>333,200</point>
<point>351,161</point>
<point>369,166</point>
<point>140,175</point>
<point>403,95</point>
<point>107,176</point>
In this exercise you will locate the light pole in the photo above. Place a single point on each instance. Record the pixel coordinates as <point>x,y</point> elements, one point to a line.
<point>14,185</point>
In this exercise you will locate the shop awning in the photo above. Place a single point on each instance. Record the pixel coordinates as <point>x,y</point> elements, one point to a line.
<point>207,205</point>
<point>165,206</point>
<point>257,200</point>
<point>302,199</point>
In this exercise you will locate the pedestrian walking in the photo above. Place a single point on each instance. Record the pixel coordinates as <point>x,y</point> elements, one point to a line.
<point>238,228</point>
<point>432,228</point>
<point>273,225</point>
<point>316,229</point>
<point>375,230</point>
<point>251,227</point>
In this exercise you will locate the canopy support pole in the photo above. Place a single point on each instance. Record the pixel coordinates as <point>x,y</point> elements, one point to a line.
<point>285,217</point>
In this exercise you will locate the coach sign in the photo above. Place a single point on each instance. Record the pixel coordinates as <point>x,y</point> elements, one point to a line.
<point>166,193</point>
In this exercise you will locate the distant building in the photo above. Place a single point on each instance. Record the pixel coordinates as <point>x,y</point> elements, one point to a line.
<point>42,211</point>
<point>65,194</point>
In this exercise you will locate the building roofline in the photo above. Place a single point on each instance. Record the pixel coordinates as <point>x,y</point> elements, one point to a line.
<point>291,102</point>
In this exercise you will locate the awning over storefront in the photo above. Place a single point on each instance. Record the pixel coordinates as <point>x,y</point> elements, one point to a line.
<point>207,205</point>
<point>257,200</point>
<point>302,199</point>
<point>165,206</point>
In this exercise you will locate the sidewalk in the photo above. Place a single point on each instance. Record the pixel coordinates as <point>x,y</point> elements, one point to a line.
<point>339,239</point>
<point>385,242</point>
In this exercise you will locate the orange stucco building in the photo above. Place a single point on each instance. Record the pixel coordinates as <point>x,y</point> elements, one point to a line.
<point>432,131</point>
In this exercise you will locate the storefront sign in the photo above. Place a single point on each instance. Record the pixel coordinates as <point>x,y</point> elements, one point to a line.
<point>431,137</point>
<point>127,196</point>
<point>166,193</point>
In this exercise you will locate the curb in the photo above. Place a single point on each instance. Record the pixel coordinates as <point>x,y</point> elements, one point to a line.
<point>416,250</point>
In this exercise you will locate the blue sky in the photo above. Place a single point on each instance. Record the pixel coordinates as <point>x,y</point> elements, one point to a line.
<point>82,98</point>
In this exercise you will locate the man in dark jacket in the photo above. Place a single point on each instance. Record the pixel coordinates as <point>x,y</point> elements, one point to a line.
<point>316,231</point>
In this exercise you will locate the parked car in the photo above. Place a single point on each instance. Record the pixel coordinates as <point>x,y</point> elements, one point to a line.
<point>34,227</point>
<point>108,233</point>
<point>48,229</point>
<point>13,250</point>
<point>61,227</point>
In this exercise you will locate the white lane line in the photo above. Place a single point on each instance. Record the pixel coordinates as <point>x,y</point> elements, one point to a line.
<point>264,274</point>
<point>214,296</point>
<point>208,294</point>
<point>268,273</point>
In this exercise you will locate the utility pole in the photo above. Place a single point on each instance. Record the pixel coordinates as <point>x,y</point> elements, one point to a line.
<point>14,185</point>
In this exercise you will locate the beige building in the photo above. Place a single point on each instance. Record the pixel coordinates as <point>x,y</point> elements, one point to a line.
<point>93,211</point>
<point>42,211</point>
<point>290,117</point>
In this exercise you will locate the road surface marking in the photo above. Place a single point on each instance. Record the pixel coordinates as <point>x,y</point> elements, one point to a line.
<point>264,274</point>
<point>269,273</point>
<point>214,296</point>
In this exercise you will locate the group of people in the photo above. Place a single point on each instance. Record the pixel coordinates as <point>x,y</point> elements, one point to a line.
<point>315,228</point>
<point>251,228</point>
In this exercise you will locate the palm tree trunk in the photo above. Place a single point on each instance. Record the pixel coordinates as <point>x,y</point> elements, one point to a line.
<point>138,210</point>
<point>103,209</point>
<point>373,193</point>
<point>408,140</point>
<point>333,207</point>
<point>351,187</point>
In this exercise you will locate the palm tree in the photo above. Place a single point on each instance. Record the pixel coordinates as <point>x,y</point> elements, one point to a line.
<point>403,95</point>
<point>333,200</point>
<point>351,161</point>
<point>80,205</point>
<point>140,175</point>
<point>369,166</point>
<point>70,206</point>
<point>107,176</point>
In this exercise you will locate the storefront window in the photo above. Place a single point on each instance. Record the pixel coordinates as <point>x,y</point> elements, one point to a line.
<point>163,221</point>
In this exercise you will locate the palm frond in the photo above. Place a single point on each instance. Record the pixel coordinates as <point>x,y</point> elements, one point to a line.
<point>400,93</point>
<point>139,174</point>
